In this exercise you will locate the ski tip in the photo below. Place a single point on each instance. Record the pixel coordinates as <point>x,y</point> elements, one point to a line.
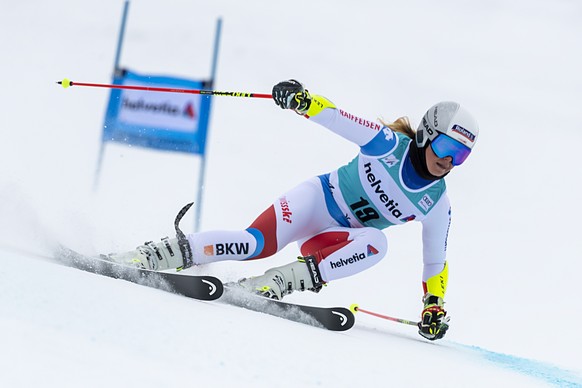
<point>65,83</point>
<point>354,308</point>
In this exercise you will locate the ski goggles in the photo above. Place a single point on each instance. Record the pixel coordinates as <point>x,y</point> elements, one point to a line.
<point>444,146</point>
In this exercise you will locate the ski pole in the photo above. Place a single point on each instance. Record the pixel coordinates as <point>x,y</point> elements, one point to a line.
<point>355,308</point>
<point>67,82</point>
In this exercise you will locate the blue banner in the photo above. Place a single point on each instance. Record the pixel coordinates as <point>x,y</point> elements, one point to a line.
<point>160,120</point>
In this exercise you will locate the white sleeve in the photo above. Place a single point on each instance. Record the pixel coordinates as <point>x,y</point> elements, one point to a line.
<point>435,231</point>
<point>374,138</point>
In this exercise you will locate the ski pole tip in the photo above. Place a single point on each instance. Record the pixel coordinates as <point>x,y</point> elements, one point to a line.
<point>354,308</point>
<point>65,82</point>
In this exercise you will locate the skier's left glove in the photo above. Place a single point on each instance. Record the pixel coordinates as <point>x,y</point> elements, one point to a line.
<point>434,323</point>
<point>292,95</point>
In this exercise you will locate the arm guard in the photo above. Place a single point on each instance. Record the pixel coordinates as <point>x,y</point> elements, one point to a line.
<point>318,104</point>
<point>437,285</point>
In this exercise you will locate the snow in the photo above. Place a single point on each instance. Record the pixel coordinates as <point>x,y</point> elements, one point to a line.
<point>514,250</point>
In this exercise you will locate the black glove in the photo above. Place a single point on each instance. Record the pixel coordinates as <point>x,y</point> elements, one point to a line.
<point>292,95</point>
<point>434,323</point>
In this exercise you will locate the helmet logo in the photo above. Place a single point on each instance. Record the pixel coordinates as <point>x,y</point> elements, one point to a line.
<point>436,122</point>
<point>427,127</point>
<point>462,131</point>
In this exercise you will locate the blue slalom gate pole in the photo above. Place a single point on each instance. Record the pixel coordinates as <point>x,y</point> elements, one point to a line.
<point>115,70</point>
<point>203,155</point>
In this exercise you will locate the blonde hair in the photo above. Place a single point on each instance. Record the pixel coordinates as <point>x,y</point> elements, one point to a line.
<point>402,125</point>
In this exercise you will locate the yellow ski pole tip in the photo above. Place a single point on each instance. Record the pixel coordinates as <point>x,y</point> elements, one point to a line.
<point>65,82</point>
<point>354,308</point>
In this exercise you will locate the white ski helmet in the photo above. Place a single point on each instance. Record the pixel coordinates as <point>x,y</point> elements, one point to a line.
<point>451,119</point>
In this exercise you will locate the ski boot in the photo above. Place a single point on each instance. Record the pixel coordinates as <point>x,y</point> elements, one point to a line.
<point>156,257</point>
<point>277,282</point>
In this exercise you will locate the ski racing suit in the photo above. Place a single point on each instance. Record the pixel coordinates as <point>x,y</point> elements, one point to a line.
<point>338,217</point>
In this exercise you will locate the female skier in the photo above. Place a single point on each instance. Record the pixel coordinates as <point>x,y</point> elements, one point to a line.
<point>337,218</point>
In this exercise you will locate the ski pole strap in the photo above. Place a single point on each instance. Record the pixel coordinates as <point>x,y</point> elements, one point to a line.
<point>182,240</point>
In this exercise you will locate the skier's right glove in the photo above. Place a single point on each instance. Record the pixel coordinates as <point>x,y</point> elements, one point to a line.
<point>292,95</point>
<point>434,323</point>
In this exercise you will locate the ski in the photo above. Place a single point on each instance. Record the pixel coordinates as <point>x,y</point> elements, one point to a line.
<point>330,318</point>
<point>210,288</point>
<point>192,286</point>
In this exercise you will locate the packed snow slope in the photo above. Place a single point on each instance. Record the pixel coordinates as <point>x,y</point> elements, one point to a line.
<point>514,248</point>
